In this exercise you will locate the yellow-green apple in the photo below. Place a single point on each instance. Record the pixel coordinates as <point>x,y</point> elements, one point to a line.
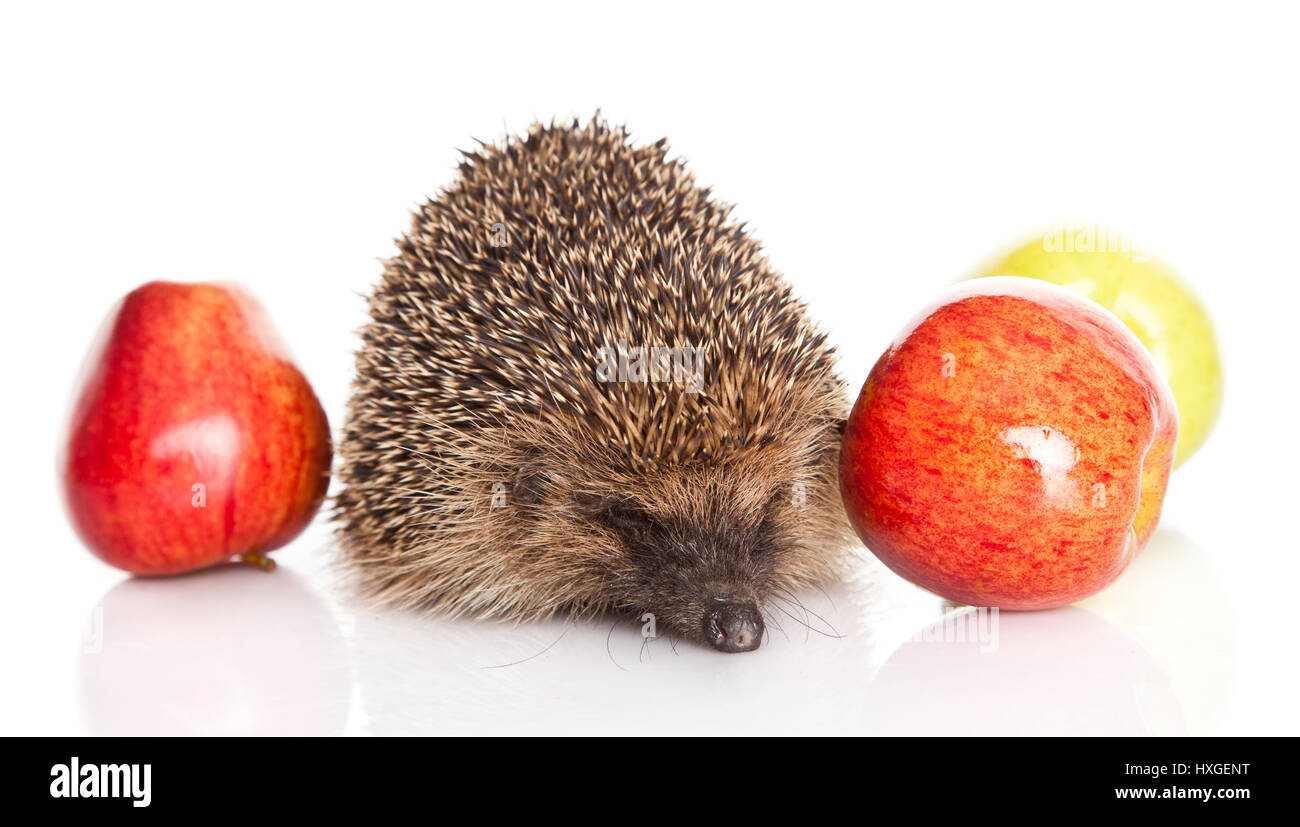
<point>1011,448</point>
<point>1149,297</point>
<point>194,438</point>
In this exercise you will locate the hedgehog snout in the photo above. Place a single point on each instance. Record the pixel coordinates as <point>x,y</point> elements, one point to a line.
<point>733,625</point>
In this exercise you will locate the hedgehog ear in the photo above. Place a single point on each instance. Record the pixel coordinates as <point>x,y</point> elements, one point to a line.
<point>780,497</point>
<point>531,483</point>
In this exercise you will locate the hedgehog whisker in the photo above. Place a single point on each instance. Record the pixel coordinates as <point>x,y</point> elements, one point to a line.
<point>608,650</point>
<point>833,633</point>
<point>825,594</point>
<point>788,597</point>
<point>802,623</point>
<point>773,620</point>
<point>564,632</point>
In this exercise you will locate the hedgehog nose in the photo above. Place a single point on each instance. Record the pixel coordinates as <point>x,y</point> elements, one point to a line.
<point>733,626</point>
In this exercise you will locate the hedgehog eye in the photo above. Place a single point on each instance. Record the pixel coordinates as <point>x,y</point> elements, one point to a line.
<point>626,517</point>
<point>783,496</point>
<point>622,515</point>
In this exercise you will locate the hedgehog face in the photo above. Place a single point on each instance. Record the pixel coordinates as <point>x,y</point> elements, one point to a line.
<point>705,547</point>
<point>705,578</point>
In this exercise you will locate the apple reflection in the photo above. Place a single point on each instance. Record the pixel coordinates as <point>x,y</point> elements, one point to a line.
<point>225,651</point>
<point>1173,603</point>
<point>1058,672</point>
<point>1152,654</point>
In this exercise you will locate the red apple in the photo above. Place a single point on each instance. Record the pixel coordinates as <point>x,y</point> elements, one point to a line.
<point>194,438</point>
<point>1011,448</point>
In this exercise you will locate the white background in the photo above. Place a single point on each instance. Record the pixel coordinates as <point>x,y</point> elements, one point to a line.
<point>879,154</point>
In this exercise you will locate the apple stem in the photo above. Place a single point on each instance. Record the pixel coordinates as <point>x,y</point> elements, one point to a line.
<point>263,562</point>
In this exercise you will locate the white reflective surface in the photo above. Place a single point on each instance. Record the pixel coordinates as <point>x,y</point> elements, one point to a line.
<point>237,651</point>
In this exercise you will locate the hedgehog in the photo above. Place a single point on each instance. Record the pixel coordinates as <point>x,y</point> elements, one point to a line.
<point>583,389</point>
